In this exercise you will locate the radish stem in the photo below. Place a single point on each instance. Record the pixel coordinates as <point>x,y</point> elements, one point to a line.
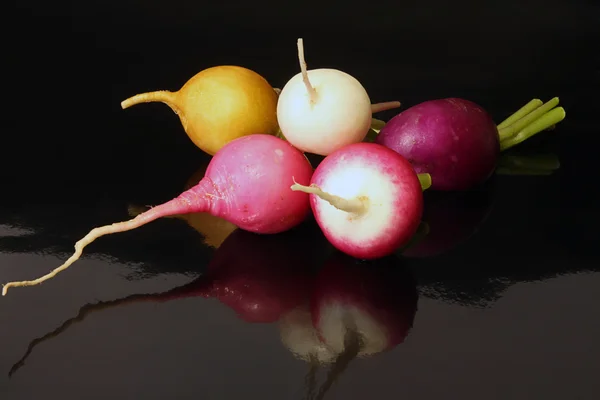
<point>355,205</point>
<point>377,124</point>
<point>425,180</point>
<point>523,111</point>
<point>528,119</point>
<point>388,105</point>
<point>163,96</point>
<point>547,120</point>
<point>312,93</point>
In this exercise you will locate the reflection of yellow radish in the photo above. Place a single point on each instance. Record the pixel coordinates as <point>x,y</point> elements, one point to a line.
<point>213,229</point>
<point>220,104</point>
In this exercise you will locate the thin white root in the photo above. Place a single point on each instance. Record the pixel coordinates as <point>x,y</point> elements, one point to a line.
<point>312,93</point>
<point>388,105</point>
<point>356,205</point>
<point>80,245</point>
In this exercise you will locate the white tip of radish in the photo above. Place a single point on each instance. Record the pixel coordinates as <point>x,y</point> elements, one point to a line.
<point>340,115</point>
<point>374,336</point>
<point>300,337</point>
<point>372,226</point>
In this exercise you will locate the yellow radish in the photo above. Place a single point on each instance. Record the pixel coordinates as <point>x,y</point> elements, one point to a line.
<point>218,105</point>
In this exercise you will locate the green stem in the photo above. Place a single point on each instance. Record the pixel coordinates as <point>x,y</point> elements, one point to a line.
<point>377,124</point>
<point>523,111</point>
<point>545,121</point>
<point>529,119</point>
<point>425,180</point>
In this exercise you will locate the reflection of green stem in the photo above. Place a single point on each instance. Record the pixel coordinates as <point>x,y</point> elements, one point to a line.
<point>539,162</point>
<point>544,164</point>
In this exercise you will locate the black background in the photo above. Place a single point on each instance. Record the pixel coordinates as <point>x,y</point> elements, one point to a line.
<point>72,159</point>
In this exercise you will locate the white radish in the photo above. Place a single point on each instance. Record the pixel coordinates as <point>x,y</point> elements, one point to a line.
<point>322,110</point>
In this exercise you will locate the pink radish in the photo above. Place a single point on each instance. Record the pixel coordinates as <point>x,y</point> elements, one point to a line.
<point>366,198</point>
<point>322,110</point>
<point>247,183</point>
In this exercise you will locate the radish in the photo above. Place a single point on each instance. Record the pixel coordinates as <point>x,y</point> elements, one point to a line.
<point>457,142</point>
<point>322,110</point>
<point>246,183</point>
<point>361,308</point>
<point>252,274</point>
<point>219,104</point>
<point>366,198</point>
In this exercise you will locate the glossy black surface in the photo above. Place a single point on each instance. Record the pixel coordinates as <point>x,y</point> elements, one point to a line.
<point>508,285</point>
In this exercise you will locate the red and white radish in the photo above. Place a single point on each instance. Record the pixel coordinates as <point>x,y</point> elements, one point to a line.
<point>366,198</point>
<point>247,183</point>
<point>457,142</point>
<point>322,110</point>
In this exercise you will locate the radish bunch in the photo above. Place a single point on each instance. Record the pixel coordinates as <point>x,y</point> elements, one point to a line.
<point>366,194</point>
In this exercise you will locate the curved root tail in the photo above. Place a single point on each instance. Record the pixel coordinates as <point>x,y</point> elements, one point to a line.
<point>80,245</point>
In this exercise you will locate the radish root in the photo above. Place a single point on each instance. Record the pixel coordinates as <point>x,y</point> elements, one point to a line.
<point>312,93</point>
<point>388,105</point>
<point>163,96</point>
<point>94,234</point>
<point>355,205</point>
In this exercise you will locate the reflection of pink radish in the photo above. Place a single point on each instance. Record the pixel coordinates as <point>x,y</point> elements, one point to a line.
<point>255,276</point>
<point>375,301</point>
<point>252,274</point>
